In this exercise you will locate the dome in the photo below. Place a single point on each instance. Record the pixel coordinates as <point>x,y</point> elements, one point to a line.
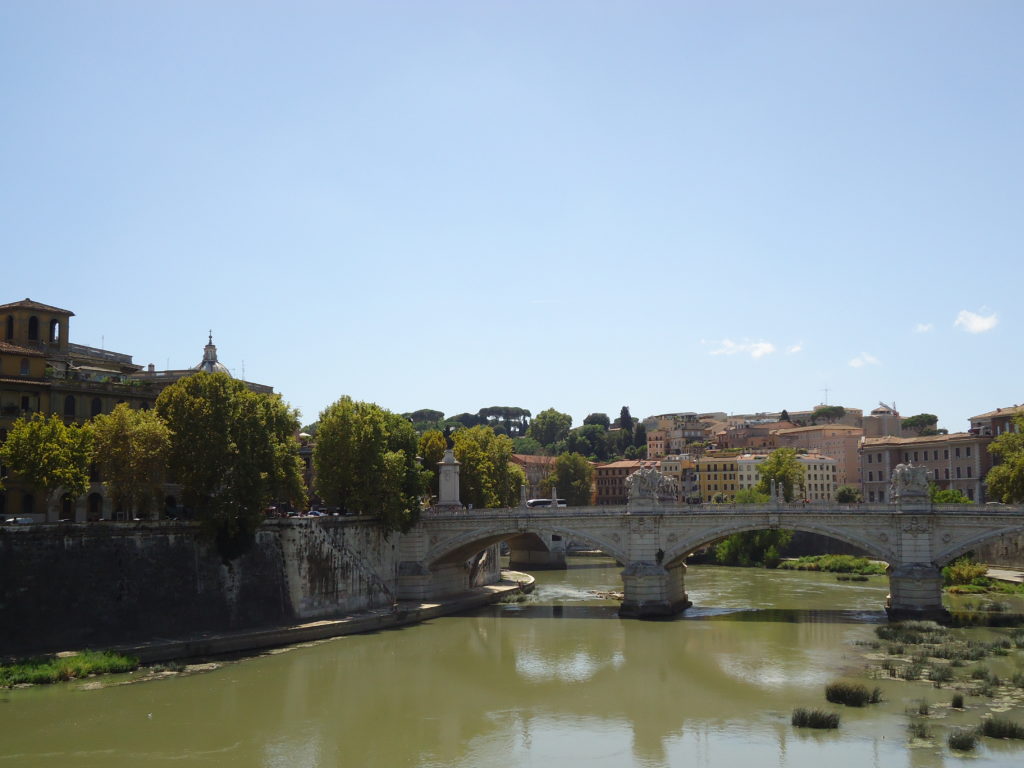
<point>209,363</point>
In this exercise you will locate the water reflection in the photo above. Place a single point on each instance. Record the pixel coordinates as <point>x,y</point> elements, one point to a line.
<point>516,686</point>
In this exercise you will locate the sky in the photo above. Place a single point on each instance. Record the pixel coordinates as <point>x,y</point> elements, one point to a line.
<point>675,206</point>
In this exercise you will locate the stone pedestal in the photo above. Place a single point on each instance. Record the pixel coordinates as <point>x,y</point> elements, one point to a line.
<point>448,481</point>
<point>653,591</point>
<point>915,592</point>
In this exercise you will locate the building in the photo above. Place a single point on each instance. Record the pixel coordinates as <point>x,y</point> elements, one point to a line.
<point>610,479</point>
<point>752,435</point>
<point>537,469</point>
<point>839,441</point>
<point>42,371</point>
<point>996,422</point>
<point>717,476</point>
<point>883,421</point>
<point>959,461</point>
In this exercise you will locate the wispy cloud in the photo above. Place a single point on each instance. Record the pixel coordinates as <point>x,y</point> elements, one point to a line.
<point>864,359</point>
<point>923,327</point>
<point>755,349</point>
<point>798,347</point>
<point>975,323</point>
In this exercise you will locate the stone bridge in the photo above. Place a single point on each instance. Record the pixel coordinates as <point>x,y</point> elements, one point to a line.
<point>652,538</point>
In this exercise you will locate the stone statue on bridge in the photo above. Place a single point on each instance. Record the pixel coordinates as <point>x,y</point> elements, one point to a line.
<point>649,483</point>
<point>908,483</point>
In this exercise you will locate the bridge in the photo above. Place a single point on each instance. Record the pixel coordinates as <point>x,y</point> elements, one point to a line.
<point>651,539</point>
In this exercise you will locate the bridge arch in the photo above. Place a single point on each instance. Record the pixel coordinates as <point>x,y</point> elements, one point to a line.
<point>876,549</point>
<point>464,545</point>
<point>945,556</point>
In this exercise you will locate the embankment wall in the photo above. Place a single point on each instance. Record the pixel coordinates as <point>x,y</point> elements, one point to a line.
<point>96,584</point>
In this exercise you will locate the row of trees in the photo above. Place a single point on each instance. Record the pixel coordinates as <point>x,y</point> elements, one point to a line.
<point>599,438</point>
<point>233,452</point>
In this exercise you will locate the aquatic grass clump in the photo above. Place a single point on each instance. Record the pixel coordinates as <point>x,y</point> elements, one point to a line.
<point>958,701</point>
<point>940,674</point>
<point>814,718</point>
<point>919,730</point>
<point>50,669</point>
<point>913,633</point>
<point>1001,728</point>
<point>963,740</point>
<point>852,694</point>
<point>835,564</point>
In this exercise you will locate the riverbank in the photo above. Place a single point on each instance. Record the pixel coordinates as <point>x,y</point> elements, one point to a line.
<point>401,614</point>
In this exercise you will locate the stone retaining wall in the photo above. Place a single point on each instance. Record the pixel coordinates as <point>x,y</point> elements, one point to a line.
<point>95,584</point>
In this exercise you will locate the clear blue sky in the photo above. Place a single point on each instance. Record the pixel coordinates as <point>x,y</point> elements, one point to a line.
<point>581,205</point>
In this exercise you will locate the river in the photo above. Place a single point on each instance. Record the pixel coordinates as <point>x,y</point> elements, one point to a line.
<point>556,680</point>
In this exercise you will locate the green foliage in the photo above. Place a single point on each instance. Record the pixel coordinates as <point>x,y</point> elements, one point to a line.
<point>1005,481</point>
<point>847,494</point>
<point>835,564</point>
<point>549,427</point>
<point>965,571</point>
<point>1002,728</point>
<point>948,496</point>
<point>963,739</point>
<point>431,449</point>
<point>784,416</point>
<point>589,440</point>
<point>783,467</point>
<point>851,694</point>
<point>527,446</point>
<point>46,454</point>
<point>751,496</point>
<point>814,718</point>
<point>830,413</point>
<point>600,419</point>
<point>752,548</point>
<point>640,436</point>
<point>50,669</point>
<point>572,477</point>
<point>505,419</point>
<point>626,425</point>
<point>365,462</point>
<point>233,451</point>
<point>921,424</point>
<point>487,478</point>
<point>131,451</point>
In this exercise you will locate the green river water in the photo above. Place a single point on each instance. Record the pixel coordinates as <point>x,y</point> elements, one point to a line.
<point>558,680</point>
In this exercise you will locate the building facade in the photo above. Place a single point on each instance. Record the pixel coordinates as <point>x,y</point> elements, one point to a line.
<point>957,461</point>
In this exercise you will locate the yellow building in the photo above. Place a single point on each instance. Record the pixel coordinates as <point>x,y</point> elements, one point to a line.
<point>717,475</point>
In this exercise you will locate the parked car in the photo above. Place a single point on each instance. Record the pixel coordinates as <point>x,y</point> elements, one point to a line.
<point>18,521</point>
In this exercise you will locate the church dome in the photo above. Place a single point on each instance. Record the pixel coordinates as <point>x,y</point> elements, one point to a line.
<point>209,363</point>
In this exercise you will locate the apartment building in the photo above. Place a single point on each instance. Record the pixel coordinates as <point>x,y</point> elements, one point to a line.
<point>959,461</point>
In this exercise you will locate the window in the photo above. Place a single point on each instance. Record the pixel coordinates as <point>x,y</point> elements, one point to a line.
<point>915,455</point>
<point>69,406</point>
<point>947,473</point>
<point>871,477</point>
<point>871,495</point>
<point>958,472</point>
<point>33,328</point>
<point>935,455</point>
<point>968,470</point>
<point>881,496</point>
<point>54,331</point>
<point>958,451</point>
<point>10,327</point>
<point>28,504</point>
<point>945,454</point>
<point>869,458</point>
<point>970,494</point>
<point>23,370</point>
<point>968,450</point>
<point>96,407</point>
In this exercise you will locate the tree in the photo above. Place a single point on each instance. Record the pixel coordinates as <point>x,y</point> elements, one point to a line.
<point>572,477</point>
<point>487,477</point>
<point>365,462</point>
<point>783,467</point>
<point>947,496</point>
<point>431,449</point>
<point>640,436</point>
<point>847,494</point>
<point>753,548</point>
<point>784,416</point>
<point>234,452</point>
<point>751,496</point>
<point>1005,481</point>
<point>600,419</point>
<point>626,424</point>
<point>47,455</point>
<point>131,452</point>
<point>549,426</point>
<point>527,446</point>
<point>831,413</point>
<point>589,440</point>
<point>922,423</point>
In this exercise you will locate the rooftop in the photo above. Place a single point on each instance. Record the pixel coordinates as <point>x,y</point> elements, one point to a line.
<point>29,304</point>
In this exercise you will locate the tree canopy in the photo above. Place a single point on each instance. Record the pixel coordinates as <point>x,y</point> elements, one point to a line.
<point>783,467</point>
<point>588,440</point>
<point>46,454</point>
<point>572,478</point>
<point>431,450</point>
<point>847,494</point>
<point>922,423</point>
<point>233,451</point>
<point>947,496</point>
<point>1005,481</point>
<point>549,426</point>
<point>598,418</point>
<point>487,477</point>
<point>365,462</point>
<point>131,451</point>
<point>830,413</point>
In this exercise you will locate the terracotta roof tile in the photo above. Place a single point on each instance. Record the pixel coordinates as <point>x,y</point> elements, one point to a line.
<point>29,304</point>
<point>14,349</point>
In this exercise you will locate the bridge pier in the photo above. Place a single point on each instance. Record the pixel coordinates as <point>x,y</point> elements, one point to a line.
<point>653,591</point>
<point>915,592</point>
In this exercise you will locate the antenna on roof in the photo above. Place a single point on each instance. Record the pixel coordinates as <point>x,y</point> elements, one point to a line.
<point>243,370</point>
<point>825,390</point>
